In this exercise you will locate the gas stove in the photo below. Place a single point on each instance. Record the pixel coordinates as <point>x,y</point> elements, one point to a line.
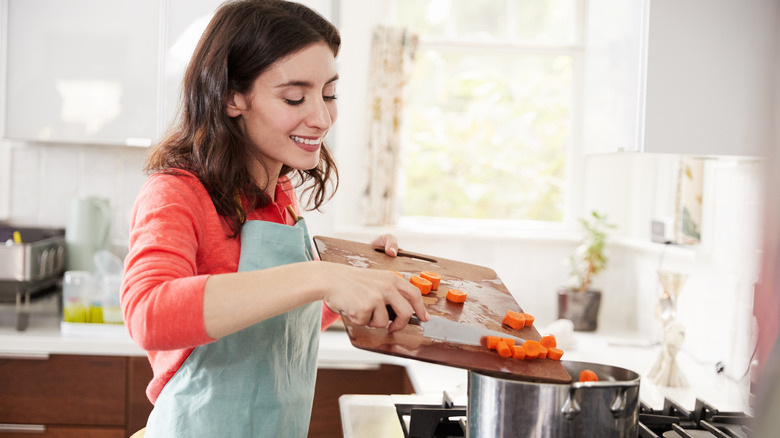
<point>704,421</point>
<point>672,421</point>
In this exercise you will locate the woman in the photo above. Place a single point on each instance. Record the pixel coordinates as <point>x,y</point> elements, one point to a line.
<point>220,286</point>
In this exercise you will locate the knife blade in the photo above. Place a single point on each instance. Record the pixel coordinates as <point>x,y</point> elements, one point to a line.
<point>443,329</point>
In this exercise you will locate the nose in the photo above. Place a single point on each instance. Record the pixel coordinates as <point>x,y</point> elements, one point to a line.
<point>321,116</point>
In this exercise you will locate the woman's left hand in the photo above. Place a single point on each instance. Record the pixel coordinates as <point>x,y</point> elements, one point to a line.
<point>389,242</point>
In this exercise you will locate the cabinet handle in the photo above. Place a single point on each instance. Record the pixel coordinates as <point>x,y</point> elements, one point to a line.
<point>22,428</point>
<point>30,356</point>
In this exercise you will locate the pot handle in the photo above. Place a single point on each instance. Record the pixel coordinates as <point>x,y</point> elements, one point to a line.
<point>618,405</point>
<point>571,408</point>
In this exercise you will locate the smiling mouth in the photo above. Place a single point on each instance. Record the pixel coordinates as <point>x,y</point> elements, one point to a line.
<point>315,141</point>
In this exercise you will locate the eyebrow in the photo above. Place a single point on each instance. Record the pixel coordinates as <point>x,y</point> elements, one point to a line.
<point>305,84</point>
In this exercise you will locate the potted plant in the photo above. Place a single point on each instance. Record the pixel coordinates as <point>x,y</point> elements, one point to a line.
<point>579,302</point>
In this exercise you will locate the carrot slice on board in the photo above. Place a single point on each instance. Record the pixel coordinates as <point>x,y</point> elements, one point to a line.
<point>514,319</point>
<point>492,342</point>
<point>532,349</point>
<point>433,277</point>
<point>529,319</point>
<point>549,341</point>
<point>456,296</point>
<point>518,352</point>
<point>509,341</point>
<point>422,284</point>
<point>588,376</point>
<point>554,353</point>
<point>503,349</point>
<point>543,352</point>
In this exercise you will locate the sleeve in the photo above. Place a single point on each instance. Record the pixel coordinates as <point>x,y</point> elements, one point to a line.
<point>162,294</point>
<point>328,317</point>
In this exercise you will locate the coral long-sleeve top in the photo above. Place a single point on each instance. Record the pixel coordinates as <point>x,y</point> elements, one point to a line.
<point>177,240</point>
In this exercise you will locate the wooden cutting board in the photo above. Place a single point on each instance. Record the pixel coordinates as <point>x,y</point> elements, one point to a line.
<point>487,303</point>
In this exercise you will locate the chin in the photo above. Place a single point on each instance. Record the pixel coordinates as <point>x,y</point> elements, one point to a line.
<point>307,164</point>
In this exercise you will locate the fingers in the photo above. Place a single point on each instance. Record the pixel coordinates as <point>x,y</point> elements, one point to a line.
<point>414,299</point>
<point>403,312</point>
<point>363,294</point>
<point>389,242</point>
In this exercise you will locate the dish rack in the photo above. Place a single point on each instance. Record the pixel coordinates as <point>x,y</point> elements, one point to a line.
<point>32,261</point>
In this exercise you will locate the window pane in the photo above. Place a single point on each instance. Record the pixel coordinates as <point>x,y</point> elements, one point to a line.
<point>486,135</point>
<point>545,21</point>
<point>480,20</point>
<point>519,21</point>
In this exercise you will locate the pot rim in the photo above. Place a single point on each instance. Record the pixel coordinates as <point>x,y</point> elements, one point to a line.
<point>632,377</point>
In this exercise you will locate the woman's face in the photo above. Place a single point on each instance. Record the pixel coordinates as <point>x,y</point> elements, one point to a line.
<point>289,110</point>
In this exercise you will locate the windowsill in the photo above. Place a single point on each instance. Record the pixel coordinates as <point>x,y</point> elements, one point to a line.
<point>463,230</point>
<point>411,229</point>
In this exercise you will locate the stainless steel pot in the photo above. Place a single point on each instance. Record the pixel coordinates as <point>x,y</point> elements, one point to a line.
<point>501,407</point>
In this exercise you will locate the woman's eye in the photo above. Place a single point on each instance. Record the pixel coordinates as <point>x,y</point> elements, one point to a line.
<point>294,102</point>
<point>329,98</point>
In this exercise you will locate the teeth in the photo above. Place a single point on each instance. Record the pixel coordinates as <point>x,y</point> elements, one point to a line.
<point>305,140</point>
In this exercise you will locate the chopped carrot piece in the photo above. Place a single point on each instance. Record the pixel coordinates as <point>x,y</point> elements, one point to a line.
<point>456,296</point>
<point>518,352</point>
<point>529,319</point>
<point>549,341</point>
<point>588,376</point>
<point>492,342</point>
<point>554,353</point>
<point>543,352</point>
<point>514,319</point>
<point>422,284</point>
<point>532,349</point>
<point>433,277</point>
<point>503,349</point>
<point>509,341</point>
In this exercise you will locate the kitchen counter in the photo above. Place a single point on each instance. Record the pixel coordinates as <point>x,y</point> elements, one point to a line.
<point>44,336</point>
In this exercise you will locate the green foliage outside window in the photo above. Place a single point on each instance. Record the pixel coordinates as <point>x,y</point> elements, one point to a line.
<point>486,128</point>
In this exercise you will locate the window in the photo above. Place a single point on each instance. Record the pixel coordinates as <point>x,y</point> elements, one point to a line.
<point>488,126</point>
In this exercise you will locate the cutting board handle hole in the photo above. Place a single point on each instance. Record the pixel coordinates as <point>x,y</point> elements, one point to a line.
<point>410,255</point>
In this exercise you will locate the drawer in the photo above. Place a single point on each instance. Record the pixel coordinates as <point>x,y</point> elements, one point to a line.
<point>63,390</point>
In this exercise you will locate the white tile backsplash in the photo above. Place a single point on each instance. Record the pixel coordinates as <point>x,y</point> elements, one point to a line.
<point>46,177</point>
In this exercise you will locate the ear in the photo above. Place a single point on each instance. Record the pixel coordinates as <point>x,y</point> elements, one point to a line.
<point>236,104</point>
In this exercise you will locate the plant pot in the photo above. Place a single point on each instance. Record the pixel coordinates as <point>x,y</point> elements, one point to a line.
<point>581,308</point>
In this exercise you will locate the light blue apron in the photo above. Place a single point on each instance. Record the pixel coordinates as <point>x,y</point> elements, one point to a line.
<point>258,382</point>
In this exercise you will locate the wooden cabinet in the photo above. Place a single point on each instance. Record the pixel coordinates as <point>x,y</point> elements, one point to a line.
<point>76,396</point>
<point>73,396</point>
<point>333,383</point>
<point>690,77</point>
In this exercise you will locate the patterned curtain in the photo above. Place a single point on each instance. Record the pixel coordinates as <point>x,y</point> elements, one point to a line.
<point>392,57</point>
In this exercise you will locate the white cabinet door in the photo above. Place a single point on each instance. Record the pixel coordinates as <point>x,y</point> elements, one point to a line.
<point>679,76</point>
<point>82,70</point>
<point>186,21</point>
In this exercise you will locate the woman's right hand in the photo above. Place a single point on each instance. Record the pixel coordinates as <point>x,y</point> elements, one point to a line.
<point>363,294</point>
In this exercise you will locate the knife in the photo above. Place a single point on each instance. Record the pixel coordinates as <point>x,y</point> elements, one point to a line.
<point>446,330</point>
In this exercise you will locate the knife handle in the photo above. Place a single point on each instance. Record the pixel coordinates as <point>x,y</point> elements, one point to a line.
<point>392,315</point>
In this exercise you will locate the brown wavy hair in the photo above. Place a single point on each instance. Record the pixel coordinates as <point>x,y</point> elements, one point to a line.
<point>242,40</point>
